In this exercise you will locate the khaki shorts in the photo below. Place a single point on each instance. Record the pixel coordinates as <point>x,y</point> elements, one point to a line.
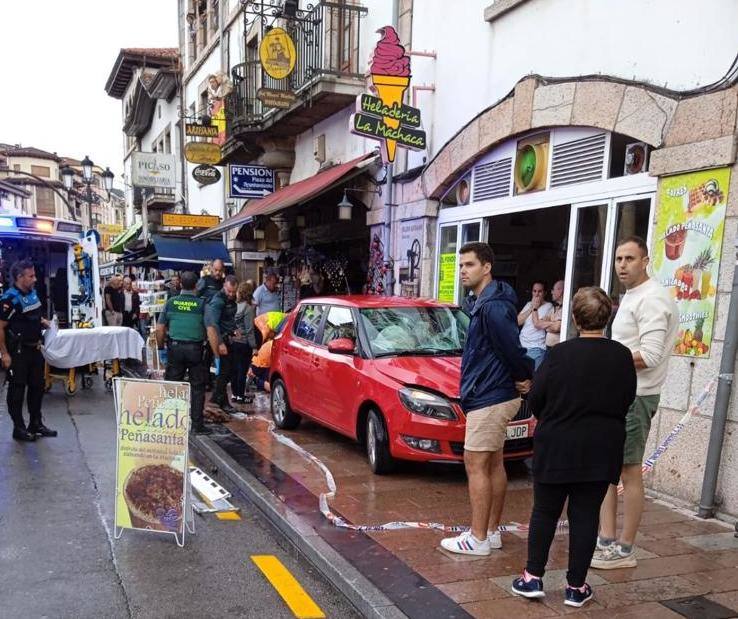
<point>486,428</point>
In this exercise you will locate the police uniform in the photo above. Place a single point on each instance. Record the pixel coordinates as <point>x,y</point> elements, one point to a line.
<point>208,286</point>
<point>222,311</point>
<point>185,318</point>
<point>23,313</point>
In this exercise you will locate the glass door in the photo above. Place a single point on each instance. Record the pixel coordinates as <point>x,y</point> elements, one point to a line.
<point>587,235</point>
<point>451,238</point>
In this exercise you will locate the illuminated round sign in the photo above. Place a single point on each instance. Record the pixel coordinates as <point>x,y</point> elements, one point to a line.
<point>530,167</point>
<point>277,53</point>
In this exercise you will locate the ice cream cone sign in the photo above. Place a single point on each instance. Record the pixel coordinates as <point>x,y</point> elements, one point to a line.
<point>384,117</point>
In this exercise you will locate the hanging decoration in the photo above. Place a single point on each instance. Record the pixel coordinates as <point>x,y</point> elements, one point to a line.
<point>377,272</point>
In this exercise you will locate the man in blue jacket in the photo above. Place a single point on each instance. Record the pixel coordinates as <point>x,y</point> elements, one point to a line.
<point>494,371</point>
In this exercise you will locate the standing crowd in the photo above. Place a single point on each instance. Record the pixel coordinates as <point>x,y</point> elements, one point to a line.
<point>594,399</point>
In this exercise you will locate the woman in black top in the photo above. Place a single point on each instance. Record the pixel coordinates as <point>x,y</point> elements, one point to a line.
<point>580,396</point>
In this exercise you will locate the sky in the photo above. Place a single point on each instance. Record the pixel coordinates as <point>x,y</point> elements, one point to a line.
<point>54,99</point>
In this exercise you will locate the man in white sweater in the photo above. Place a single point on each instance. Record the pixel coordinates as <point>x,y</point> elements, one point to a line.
<point>647,323</point>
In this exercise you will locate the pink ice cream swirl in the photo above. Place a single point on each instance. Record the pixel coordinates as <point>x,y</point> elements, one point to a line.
<point>389,56</point>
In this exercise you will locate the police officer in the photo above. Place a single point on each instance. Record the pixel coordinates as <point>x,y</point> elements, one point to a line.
<point>21,321</point>
<point>182,326</point>
<point>212,283</point>
<point>207,287</point>
<point>222,326</point>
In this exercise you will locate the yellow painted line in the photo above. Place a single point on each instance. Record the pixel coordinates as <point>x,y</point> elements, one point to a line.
<point>299,602</point>
<point>227,516</point>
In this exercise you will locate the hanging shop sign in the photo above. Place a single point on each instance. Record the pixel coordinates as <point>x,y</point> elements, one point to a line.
<point>201,131</point>
<point>446,277</point>
<point>152,441</point>
<point>531,164</point>
<point>688,241</point>
<point>189,221</point>
<point>202,152</point>
<point>205,174</point>
<point>250,181</point>
<point>277,53</point>
<point>154,170</point>
<point>281,99</point>
<point>384,117</point>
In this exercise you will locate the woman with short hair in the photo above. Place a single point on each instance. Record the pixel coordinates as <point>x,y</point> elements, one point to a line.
<point>580,395</point>
<point>243,343</point>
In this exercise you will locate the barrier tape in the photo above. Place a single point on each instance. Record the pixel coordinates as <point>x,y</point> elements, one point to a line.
<point>338,521</point>
<point>676,431</point>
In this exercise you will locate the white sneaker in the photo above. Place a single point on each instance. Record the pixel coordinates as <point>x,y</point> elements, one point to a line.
<point>601,549</point>
<point>467,544</point>
<point>614,558</point>
<point>495,540</point>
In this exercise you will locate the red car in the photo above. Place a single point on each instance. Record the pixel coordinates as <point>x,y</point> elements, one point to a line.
<point>384,371</point>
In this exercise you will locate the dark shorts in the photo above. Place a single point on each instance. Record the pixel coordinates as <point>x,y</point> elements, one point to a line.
<point>637,427</point>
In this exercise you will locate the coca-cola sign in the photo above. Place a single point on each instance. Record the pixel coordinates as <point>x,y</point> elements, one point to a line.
<point>206,174</point>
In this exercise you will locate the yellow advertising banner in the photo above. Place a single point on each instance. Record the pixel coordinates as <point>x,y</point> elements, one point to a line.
<point>446,278</point>
<point>687,245</point>
<point>152,458</point>
<point>189,221</point>
<point>202,152</point>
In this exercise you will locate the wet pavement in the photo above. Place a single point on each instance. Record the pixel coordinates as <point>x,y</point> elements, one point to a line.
<point>680,556</point>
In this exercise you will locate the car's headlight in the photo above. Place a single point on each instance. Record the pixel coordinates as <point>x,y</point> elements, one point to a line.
<point>425,403</point>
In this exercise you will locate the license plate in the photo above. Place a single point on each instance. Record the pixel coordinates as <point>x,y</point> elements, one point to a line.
<point>519,431</point>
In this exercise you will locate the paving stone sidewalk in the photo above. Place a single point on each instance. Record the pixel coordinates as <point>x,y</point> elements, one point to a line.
<point>679,555</point>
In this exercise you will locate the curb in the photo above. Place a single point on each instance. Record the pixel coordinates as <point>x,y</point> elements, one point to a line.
<point>364,595</point>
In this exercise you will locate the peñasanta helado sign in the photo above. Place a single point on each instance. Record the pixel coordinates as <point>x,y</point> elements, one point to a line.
<point>151,473</point>
<point>385,117</point>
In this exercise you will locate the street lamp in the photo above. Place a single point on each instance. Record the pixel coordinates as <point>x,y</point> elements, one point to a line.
<point>87,170</point>
<point>107,177</point>
<point>67,175</point>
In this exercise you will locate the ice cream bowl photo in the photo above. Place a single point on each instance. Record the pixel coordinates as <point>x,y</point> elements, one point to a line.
<point>153,495</point>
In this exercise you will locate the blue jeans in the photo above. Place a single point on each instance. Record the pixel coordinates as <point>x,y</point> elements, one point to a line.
<point>537,354</point>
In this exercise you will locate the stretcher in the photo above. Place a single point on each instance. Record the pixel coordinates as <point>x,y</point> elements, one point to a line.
<point>70,353</point>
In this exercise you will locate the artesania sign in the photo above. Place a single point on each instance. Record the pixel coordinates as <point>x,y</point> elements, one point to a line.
<point>153,419</point>
<point>384,117</point>
<point>201,131</point>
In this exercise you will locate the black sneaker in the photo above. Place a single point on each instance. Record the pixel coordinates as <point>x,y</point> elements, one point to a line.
<point>227,408</point>
<point>237,399</point>
<point>42,430</point>
<point>21,434</point>
<point>577,598</point>
<point>531,589</point>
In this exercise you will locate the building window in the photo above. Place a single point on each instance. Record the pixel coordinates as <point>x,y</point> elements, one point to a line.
<point>16,167</point>
<point>45,203</point>
<point>41,170</point>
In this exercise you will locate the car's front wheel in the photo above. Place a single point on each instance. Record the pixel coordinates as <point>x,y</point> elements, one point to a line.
<point>377,445</point>
<point>284,417</point>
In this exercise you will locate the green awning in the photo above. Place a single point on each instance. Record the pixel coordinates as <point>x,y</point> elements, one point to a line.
<point>119,243</point>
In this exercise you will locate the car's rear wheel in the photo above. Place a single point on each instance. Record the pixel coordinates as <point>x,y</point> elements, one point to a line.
<point>377,445</point>
<point>284,417</point>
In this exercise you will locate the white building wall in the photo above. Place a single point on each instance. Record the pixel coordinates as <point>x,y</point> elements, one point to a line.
<point>680,44</point>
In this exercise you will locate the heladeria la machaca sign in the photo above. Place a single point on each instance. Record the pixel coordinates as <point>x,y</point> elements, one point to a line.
<point>384,117</point>
<point>152,456</point>
<point>688,241</point>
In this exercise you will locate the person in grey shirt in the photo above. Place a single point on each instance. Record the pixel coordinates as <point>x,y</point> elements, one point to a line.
<point>267,297</point>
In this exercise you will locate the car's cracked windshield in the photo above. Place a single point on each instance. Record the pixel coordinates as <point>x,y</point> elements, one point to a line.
<point>395,331</point>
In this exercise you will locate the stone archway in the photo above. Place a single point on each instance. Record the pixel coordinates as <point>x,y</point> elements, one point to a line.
<point>686,133</point>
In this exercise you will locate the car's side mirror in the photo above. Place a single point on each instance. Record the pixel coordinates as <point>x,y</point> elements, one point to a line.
<point>342,346</point>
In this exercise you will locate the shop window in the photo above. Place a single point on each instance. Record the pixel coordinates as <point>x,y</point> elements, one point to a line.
<point>308,322</point>
<point>338,324</point>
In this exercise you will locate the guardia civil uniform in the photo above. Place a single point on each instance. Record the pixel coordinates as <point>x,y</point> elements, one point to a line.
<point>186,321</point>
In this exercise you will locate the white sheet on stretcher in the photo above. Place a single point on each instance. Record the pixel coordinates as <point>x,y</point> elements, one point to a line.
<point>70,348</point>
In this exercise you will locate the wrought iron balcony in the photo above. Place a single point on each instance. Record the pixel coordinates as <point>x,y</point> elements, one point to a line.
<point>327,70</point>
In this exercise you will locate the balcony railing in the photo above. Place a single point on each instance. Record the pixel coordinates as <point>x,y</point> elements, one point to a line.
<point>327,44</point>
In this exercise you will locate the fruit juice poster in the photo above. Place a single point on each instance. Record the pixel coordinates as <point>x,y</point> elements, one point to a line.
<point>688,240</point>
<point>153,423</point>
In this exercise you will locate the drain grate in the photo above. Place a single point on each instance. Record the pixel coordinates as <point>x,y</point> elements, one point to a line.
<point>699,607</point>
